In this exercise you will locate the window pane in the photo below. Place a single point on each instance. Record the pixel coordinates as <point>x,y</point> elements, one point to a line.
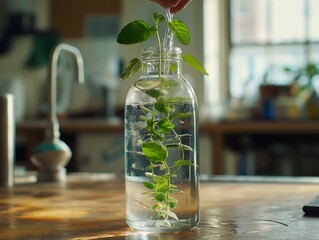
<point>247,68</point>
<point>314,58</point>
<point>248,21</point>
<point>314,53</point>
<point>291,55</point>
<point>287,21</point>
<point>211,53</point>
<point>280,30</point>
<point>250,65</point>
<point>314,20</point>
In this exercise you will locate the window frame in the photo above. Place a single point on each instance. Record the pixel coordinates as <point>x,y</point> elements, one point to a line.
<point>307,44</point>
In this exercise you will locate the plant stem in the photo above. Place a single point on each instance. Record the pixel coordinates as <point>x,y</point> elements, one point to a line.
<point>159,45</point>
<point>168,183</point>
<point>163,205</point>
<point>182,150</point>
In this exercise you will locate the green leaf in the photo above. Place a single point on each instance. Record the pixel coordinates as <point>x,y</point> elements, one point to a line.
<point>172,67</point>
<point>155,206</point>
<point>143,118</point>
<point>174,190</point>
<point>178,100</point>
<point>194,63</point>
<point>162,107</point>
<point>173,186</point>
<point>288,69</point>
<point>182,163</point>
<point>157,135</point>
<point>146,84</point>
<point>169,83</point>
<point>133,66</point>
<point>180,31</point>
<point>136,32</point>
<point>150,125</point>
<point>180,115</point>
<point>147,193</point>
<point>149,185</point>
<point>311,70</point>
<point>155,152</point>
<point>163,189</point>
<point>150,129</point>
<point>171,204</point>
<point>158,18</point>
<point>161,182</point>
<point>165,125</point>
<point>160,197</point>
<point>154,93</point>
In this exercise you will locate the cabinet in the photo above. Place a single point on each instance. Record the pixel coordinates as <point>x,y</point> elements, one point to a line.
<point>285,143</point>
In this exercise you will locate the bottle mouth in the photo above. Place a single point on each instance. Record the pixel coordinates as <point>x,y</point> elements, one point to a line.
<point>172,52</point>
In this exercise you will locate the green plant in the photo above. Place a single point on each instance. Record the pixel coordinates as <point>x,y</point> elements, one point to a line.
<point>306,73</point>
<point>140,31</point>
<point>155,149</point>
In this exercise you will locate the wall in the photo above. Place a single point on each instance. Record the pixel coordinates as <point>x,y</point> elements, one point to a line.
<point>26,83</point>
<point>73,27</point>
<point>33,79</point>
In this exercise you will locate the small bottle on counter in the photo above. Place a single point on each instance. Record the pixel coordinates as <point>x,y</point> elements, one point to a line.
<point>7,140</point>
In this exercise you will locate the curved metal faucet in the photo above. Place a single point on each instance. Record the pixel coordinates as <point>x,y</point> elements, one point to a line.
<point>52,155</point>
<point>53,132</point>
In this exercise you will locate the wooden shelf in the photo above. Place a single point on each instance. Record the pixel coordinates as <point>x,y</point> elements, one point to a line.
<point>72,126</point>
<point>215,130</point>
<point>219,130</point>
<point>287,127</point>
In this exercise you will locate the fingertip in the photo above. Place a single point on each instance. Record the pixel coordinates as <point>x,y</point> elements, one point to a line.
<point>180,6</point>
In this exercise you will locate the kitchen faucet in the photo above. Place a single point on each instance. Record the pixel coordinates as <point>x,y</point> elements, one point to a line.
<point>52,155</point>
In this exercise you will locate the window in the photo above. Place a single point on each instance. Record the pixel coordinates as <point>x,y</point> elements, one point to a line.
<point>264,36</point>
<point>212,51</point>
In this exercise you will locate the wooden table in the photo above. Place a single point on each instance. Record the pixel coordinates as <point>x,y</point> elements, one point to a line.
<point>93,207</point>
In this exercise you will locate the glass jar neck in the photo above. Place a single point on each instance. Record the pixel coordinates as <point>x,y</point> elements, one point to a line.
<point>162,63</point>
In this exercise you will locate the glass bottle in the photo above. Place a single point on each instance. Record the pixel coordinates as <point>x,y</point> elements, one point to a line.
<point>161,146</point>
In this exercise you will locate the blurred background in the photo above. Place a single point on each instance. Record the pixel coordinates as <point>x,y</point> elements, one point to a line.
<point>262,57</point>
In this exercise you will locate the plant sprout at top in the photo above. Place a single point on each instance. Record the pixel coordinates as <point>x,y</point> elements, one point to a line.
<point>140,31</point>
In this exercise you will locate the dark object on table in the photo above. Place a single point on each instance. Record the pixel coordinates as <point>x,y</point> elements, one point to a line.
<point>312,208</point>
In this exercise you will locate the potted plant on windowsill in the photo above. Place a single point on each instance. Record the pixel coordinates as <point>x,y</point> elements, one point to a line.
<point>302,78</point>
<point>303,82</point>
<point>269,93</point>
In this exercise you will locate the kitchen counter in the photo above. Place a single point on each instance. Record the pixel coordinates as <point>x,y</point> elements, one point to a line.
<point>92,206</point>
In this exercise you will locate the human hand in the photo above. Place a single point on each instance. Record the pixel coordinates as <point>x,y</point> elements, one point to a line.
<point>174,5</point>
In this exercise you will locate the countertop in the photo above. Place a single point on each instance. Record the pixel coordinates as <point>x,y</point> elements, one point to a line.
<point>92,206</point>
